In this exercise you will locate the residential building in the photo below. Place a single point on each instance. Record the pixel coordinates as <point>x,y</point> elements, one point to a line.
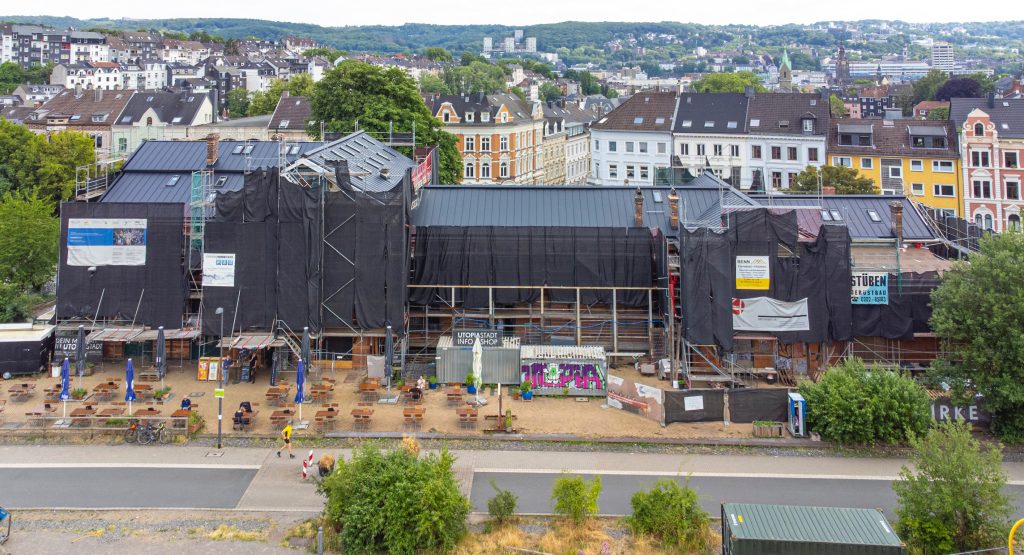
<point>633,143</point>
<point>923,108</point>
<point>786,133</point>
<point>498,136</point>
<point>88,76</point>
<point>991,148</point>
<point>223,80</point>
<point>36,95</point>
<point>943,58</point>
<point>29,45</point>
<point>290,118</point>
<point>553,144</point>
<point>709,134</point>
<point>147,112</point>
<point>91,112</point>
<point>132,47</point>
<point>184,51</point>
<point>577,143</point>
<point>919,159</point>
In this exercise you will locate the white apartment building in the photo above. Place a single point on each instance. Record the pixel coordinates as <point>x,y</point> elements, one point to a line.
<point>942,57</point>
<point>631,144</point>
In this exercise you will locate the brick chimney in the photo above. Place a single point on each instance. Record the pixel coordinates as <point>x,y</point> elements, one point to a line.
<point>99,95</point>
<point>673,206</point>
<point>212,141</point>
<point>828,190</point>
<point>896,209</point>
<point>638,208</point>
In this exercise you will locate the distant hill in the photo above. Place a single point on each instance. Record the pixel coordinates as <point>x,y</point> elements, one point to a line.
<point>580,38</point>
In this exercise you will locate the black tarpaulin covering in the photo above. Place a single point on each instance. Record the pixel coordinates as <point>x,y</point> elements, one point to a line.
<point>709,407</point>
<point>162,277</point>
<point>254,245</point>
<point>534,257</point>
<point>298,256</point>
<point>748,405</point>
<point>818,271</point>
<point>908,311</point>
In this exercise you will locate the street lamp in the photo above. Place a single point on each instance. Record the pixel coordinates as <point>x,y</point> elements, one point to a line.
<point>220,376</point>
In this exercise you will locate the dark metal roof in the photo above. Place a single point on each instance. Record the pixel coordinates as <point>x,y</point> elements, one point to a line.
<point>894,138</point>
<point>1006,113</point>
<point>855,213</point>
<point>711,113</point>
<point>175,156</point>
<point>162,187</point>
<point>575,206</point>
<point>817,525</point>
<point>373,166</point>
<point>783,113</point>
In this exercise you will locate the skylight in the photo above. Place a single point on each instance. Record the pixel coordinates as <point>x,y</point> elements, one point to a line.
<point>237,149</point>
<point>874,216</point>
<point>836,215</point>
<point>638,121</point>
<point>755,123</point>
<point>825,216</point>
<point>176,120</point>
<point>126,119</point>
<point>248,149</point>
<point>731,125</point>
<point>659,121</point>
<point>220,182</point>
<point>173,180</point>
<point>657,196</point>
<point>284,123</point>
<point>709,124</point>
<point>687,123</point>
<point>293,150</point>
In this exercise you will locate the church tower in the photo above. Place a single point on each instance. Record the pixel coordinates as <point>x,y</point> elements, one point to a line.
<point>842,76</point>
<point>785,74</point>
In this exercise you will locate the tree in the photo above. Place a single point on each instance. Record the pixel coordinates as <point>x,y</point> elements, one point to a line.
<point>846,181</point>
<point>395,502</point>
<point>473,78</point>
<point>588,83</point>
<point>59,159</point>
<point>19,157</point>
<point>926,87</point>
<point>728,82</point>
<point>959,87</point>
<point>978,314</point>
<point>265,102</point>
<point>836,106</point>
<point>672,514</point>
<point>430,83</point>
<point>952,501</point>
<point>469,57</point>
<point>438,54</point>
<point>329,53</point>
<point>853,404</point>
<point>238,102</point>
<point>550,91</point>
<point>576,498</point>
<point>938,114</point>
<point>356,93</point>
<point>28,240</point>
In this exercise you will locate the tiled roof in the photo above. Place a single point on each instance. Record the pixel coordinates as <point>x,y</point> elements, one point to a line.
<point>644,111</point>
<point>892,138</point>
<point>1006,113</point>
<point>783,113</point>
<point>292,112</point>
<point>168,106</point>
<point>81,108</point>
<point>711,113</point>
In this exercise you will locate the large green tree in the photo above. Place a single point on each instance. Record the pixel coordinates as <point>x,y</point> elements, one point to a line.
<point>238,102</point>
<point>952,499</point>
<point>549,91</point>
<point>28,240</point>
<point>926,87</point>
<point>836,106</point>
<point>438,54</point>
<point>355,95</point>
<point>846,181</point>
<point>430,83</point>
<point>473,78</point>
<point>31,163</point>
<point>728,82</point>
<point>265,102</point>
<point>978,313</point>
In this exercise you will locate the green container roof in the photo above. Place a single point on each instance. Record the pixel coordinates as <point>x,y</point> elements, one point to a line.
<point>832,525</point>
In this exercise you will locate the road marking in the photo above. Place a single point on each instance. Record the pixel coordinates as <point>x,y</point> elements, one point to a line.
<point>132,465</point>
<point>703,474</point>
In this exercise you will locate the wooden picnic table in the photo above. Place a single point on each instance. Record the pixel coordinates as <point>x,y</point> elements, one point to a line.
<point>414,410</point>
<point>105,391</point>
<point>179,418</point>
<point>111,412</point>
<point>277,394</point>
<point>362,415</point>
<point>147,412</point>
<point>467,415</point>
<point>82,416</point>
<point>454,394</point>
<point>320,392</point>
<point>22,391</point>
<point>38,415</point>
<point>279,417</point>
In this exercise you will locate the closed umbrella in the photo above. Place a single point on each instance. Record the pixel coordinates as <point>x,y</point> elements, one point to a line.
<point>129,383</point>
<point>478,368</point>
<point>161,355</point>
<point>305,346</point>
<point>65,386</point>
<point>300,383</point>
<point>389,355</point>
<point>80,354</point>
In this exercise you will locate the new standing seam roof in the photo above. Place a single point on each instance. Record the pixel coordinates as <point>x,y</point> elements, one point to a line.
<point>826,525</point>
<point>854,210</point>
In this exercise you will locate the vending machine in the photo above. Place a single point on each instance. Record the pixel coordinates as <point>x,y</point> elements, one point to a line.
<point>796,411</point>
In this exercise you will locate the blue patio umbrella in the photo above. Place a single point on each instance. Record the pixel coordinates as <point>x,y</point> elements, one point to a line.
<point>300,382</point>
<point>65,386</point>
<point>129,383</point>
<point>80,353</point>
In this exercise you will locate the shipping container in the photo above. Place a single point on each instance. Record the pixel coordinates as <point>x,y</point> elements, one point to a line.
<point>782,529</point>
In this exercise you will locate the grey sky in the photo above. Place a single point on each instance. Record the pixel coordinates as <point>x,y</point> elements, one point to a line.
<point>526,12</point>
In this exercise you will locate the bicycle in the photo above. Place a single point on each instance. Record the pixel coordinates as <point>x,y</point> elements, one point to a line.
<point>150,433</point>
<point>131,435</point>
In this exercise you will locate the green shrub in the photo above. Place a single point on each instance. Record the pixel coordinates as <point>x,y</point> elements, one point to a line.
<point>672,514</point>
<point>502,507</point>
<point>852,404</point>
<point>78,393</point>
<point>576,498</point>
<point>394,502</point>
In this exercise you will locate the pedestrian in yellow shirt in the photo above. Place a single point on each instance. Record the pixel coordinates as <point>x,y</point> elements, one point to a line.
<point>286,435</point>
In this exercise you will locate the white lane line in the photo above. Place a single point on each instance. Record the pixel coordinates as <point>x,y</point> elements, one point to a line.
<point>132,465</point>
<point>703,474</point>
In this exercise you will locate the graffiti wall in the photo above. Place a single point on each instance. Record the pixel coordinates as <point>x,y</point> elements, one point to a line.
<point>554,377</point>
<point>637,398</point>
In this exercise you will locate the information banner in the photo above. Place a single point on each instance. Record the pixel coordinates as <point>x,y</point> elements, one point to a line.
<point>752,273</point>
<point>106,242</point>
<point>218,270</point>
<point>767,314</point>
<point>466,338</point>
<point>869,288</point>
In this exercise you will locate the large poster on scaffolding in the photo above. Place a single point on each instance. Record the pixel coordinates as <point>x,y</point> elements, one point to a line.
<point>106,242</point>
<point>767,314</point>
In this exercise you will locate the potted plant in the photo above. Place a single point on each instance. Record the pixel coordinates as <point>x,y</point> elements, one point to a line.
<point>470,388</point>
<point>432,382</point>
<point>79,393</point>
<point>526,389</point>
<point>565,392</point>
<point>508,421</point>
<point>195,422</point>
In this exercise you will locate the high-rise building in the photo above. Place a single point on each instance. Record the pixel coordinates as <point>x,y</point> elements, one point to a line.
<point>942,57</point>
<point>488,44</point>
<point>510,44</point>
<point>531,44</point>
<point>519,35</point>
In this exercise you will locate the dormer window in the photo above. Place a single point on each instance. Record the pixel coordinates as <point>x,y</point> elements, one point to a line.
<point>784,124</point>
<point>979,130</point>
<point>808,125</point>
<point>446,117</point>
<point>469,117</point>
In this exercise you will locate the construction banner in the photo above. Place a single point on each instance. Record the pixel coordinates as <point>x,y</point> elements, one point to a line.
<point>767,314</point>
<point>869,288</point>
<point>752,273</point>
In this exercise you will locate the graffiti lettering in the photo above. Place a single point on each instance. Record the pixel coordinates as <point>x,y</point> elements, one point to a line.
<point>584,376</point>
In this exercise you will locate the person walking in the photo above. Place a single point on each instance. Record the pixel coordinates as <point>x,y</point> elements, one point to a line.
<point>286,435</point>
<point>254,361</point>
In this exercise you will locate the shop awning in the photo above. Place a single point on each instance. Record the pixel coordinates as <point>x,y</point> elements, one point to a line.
<point>254,341</point>
<point>169,335</point>
<point>115,335</point>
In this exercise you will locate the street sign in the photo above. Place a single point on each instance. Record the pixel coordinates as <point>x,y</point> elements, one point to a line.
<point>219,393</point>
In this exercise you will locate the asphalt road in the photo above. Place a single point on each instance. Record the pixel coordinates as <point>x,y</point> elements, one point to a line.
<point>128,487</point>
<point>534,491</point>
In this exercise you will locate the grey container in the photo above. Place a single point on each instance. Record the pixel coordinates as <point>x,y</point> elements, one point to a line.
<point>776,529</point>
<point>500,364</point>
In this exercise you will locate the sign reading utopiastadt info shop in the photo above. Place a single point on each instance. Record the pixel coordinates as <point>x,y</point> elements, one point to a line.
<point>106,242</point>
<point>466,338</point>
<point>218,270</point>
<point>869,288</point>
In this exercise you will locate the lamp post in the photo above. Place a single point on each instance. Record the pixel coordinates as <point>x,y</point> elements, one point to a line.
<point>220,377</point>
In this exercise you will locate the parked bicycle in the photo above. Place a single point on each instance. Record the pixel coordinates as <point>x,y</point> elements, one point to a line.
<point>150,433</point>
<point>131,435</point>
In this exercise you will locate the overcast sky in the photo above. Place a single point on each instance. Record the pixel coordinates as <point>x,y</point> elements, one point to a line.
<point>526,12</point>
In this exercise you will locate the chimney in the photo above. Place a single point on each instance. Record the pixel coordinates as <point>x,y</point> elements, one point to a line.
<point>748,92</point>
<point>285,94</point>
<point>828,191</point>
<point>638,208</point>
<point>78,90</point>
<point>896,208</point>
<point>991,99</point>
<point>673,206</point>
<point>99,95</point>
<point>212,141</point>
